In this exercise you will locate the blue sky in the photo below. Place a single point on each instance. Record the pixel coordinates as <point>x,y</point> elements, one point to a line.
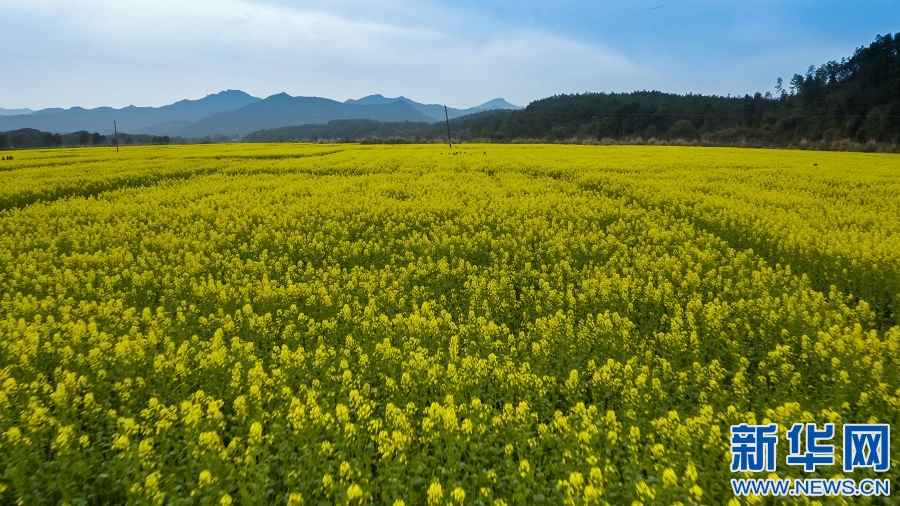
<point>59,53</point>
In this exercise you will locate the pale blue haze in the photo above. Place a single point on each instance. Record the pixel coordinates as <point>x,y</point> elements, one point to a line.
<point>59,53</point>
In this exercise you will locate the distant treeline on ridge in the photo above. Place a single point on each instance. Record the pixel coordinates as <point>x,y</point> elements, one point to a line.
<point>850,104</point>
<point>29,138</point>
<point>854,101</point>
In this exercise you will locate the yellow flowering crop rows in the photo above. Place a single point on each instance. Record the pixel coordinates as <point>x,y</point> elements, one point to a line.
<point>414,325</point>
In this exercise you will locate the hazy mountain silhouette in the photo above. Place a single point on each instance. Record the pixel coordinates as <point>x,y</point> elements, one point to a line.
<point>155,120</point>
<point>232,112</point>
<point>435,111</point>
<point>284,110</point>
<point>14,112</point>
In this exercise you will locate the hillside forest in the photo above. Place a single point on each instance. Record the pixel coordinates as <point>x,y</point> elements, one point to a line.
<point>852,104</point>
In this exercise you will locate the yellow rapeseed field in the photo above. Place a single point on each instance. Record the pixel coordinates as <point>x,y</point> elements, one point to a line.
<point>491,324</point>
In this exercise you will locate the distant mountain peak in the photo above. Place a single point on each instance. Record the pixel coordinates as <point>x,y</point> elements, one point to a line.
<point>234,112</point>
<point>230,94</point>
<point>500,102</point>
<point>14,112</point>
<point>497,103</point>
<point>377,99</point>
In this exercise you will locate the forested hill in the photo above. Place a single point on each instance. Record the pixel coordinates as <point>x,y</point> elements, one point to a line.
<point>856,99</point>
<point>849,104</point>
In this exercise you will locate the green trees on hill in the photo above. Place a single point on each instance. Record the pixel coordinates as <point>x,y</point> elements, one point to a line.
<point>856,99</point>
<point>844,104</point>
<point>28,138</point>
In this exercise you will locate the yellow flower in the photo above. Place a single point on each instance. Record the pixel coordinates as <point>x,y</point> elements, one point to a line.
<point>121,443</point>
<point>151,482</point>
<point>644,491</point>
<point>354,492</point>
<point>435,494</point>
<point>64,435</point>
<point>13,434</point>
<point>524,468</point>
<point>576,479</point>
<point>342,413</point>
<point>669,478</point>
<point>145,448</point>
<point>591,494</point>
<point>697,492</point>
<point>690,473</point>
<point>206,477</point>
<point>256,431</point>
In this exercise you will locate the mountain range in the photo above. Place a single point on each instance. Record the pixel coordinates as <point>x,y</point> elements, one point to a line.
<point>232,113</point>
<point>13,112</point>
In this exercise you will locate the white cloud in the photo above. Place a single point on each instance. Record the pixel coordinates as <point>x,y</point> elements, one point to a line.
<point>155,52</point>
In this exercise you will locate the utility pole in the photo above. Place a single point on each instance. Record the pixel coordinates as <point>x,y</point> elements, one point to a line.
<point>116,134</point>
<point>447,117</point>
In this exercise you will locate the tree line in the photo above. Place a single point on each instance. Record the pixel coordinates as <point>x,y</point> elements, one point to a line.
<point>856,99</point>
<point>846,104</point>
<point>26,138</point>
<point>853,103</point>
